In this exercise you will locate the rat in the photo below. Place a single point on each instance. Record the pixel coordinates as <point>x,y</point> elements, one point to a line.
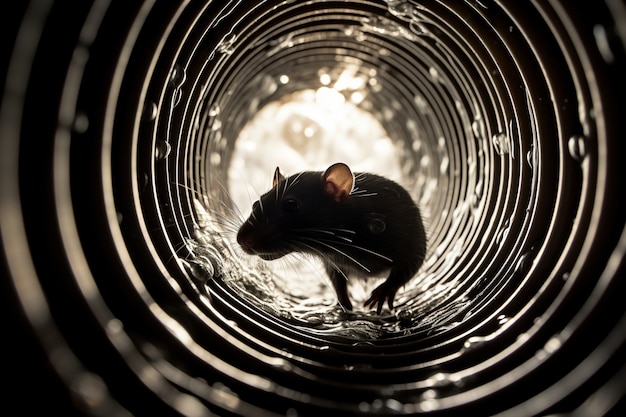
<point>359,225</point>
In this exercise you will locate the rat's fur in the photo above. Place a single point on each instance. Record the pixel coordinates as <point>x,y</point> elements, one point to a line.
<point>359,225</point>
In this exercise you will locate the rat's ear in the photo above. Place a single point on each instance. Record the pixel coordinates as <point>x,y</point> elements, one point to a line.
<point>338,181</point>
<point>278,177</point>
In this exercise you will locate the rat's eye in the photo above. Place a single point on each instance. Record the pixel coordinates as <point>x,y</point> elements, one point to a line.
<point>290,205</point>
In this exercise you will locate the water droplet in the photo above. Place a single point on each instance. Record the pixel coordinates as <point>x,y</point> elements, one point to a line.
<point>428,405</point>
<point>422,104</point>
<point>502,234</point>
<point>283,42</point>
<point>191,406</point>
<point>388,114</point>
<point>357,97</point>
<point>478,193</point>
<point>114,326</point>
<point>477,3</point>
<point>552,345</point>
<point>523,263</point>
<point>439,379</point>
<point>445,163</point>
<point>88,389</point>
<point>267,85</point>
<point>502,319</point>
<point>214,110</point>
<point>474,342</point>
<point>177,96</point>
<point>478,127</point>
<point>401,8</point>
<point>177,79</point>
<point>429,394</point>
<point>501,143</point>
<point>215,158</point>
<point>149,112</point>
<point>435,75</point>
<point>602,42</point>
<point>162,149</point>
<point>541,355</point>
<point>458,212</point>
<point>226,45</point>
<point>177,76</point>
<point>202,271</point>
<point>577,145</point>
<point>385,26</point>
<point>377,404</point>
<point>196,122</point>
<point>530,157</point>
<point>394,405</point>
<point>325,78</point>
<point>81,122</point>
<point>216,125</point>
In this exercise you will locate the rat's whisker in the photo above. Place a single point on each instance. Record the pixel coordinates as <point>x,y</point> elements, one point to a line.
<point>371,252</point>
<point>327,230</point>
<point>177,251</point>
<point>286,186</point>
<point>223,206</point>
<point>330,232</point>
<point>226,223</point>
<point>326,259</point>
<point>277,192</point>
<point>346,241</point>
<point>362,193</point>
<point>311,230</point>
<point>294,181</point>
<point>339,251</point>
<point>232,209</point>
<point>343,230</point>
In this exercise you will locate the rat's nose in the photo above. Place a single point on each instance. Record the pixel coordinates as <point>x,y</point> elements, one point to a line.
<point>246,240</point>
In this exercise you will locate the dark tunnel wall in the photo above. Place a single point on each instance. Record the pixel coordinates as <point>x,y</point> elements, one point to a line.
<point>128,131</point>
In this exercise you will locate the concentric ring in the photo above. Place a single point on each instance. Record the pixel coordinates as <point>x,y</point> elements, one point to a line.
<point>120,132</point>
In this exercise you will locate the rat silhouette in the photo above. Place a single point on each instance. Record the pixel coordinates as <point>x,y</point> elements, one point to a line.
<point>359,225</point>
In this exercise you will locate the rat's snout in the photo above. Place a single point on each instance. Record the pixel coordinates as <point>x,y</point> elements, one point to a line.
<point>247,243</point>
<point>246,239</point>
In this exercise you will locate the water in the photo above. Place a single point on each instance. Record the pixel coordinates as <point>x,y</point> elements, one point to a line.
<point>577,146</point>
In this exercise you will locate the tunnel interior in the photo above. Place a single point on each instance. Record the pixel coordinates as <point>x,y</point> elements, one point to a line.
<point>124,185</point>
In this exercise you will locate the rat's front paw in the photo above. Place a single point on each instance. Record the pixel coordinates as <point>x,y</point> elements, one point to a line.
<point>383,292</point>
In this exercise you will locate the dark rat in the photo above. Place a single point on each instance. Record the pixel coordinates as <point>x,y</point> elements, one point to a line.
<point>359,225</point>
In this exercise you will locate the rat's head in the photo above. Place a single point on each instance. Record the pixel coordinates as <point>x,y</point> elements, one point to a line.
<point>293,205</point>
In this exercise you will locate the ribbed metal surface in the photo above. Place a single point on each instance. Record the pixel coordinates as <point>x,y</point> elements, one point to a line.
<point>127,295</point>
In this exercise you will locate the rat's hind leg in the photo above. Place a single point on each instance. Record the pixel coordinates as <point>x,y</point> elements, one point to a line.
<point>340,282</point>
<point>387,291</point>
